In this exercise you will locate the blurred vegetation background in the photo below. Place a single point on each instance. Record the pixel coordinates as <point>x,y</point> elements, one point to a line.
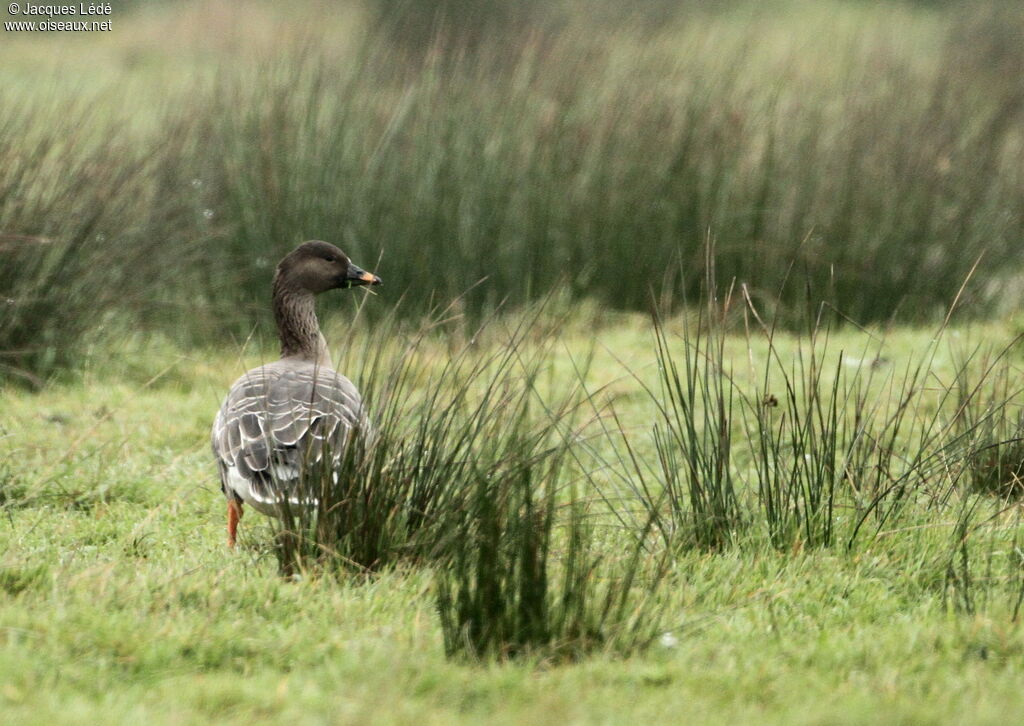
<point>865,153</point>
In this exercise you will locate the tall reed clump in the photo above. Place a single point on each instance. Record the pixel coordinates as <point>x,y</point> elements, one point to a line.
<point>435,421</point>
<point>847,440</point>
<point>598,149</point>
<point>466,464</point>
<point>526,576</point>
<point>982,563</point>
<point>687,490</point>
<point>74,248</point>
<point>836,444</point>
<point>990,417</point>
<point>840,449</point>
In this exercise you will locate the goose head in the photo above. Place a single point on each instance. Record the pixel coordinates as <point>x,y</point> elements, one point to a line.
<point>317,266</point>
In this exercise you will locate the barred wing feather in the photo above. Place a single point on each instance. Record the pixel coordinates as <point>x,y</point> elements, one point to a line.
<point>277,419</point>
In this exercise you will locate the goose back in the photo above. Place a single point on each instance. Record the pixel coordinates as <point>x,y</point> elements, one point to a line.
<point>277,420</point>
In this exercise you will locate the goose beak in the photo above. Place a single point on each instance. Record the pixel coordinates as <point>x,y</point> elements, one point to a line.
<point>358,277</point>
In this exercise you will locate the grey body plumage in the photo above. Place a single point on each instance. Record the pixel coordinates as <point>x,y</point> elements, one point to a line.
<point>277,421</point>
<point>280,418</point>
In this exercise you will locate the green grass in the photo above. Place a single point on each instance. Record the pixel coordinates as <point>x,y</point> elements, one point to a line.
<point>119,600</point>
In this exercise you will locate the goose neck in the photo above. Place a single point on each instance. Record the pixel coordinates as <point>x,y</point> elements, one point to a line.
<point>298,327</point>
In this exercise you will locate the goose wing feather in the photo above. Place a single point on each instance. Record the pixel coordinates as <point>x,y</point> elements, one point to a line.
<point>276,419</point>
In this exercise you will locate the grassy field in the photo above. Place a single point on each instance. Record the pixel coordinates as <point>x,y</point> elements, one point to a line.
<point>791,496</point>
<point>120,600</point>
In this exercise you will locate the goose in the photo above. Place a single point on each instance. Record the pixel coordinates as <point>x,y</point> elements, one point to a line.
<point>277,417</point>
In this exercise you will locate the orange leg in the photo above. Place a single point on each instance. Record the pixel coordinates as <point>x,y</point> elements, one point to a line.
<point>234,516</point>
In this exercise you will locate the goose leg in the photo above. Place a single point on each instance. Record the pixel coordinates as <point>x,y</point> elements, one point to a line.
<point>234,516</point>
